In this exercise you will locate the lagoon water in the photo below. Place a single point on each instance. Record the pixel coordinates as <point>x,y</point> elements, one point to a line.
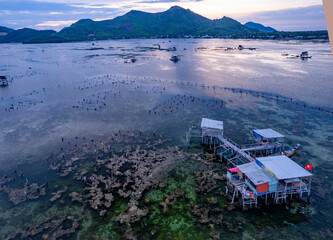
<point>60,93</point>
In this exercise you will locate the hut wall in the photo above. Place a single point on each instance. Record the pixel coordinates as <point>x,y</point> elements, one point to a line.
<point>250,185</point>
<point>209,132</point>
<point>273,186</point>
<point>263,188</point>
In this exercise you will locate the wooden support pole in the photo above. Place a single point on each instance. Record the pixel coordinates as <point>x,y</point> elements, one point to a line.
<point>233,197</point>
<point>266,199</point>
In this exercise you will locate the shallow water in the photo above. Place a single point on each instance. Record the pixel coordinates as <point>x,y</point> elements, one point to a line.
<point>84,91</point>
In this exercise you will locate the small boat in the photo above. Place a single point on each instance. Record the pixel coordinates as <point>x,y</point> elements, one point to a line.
<point>175,59</point>
<point>131,60</point>
<point>240,47</point>
<point>284,54</point>
<point>292,151</point>
<point>3,81</point>
<point>289,152</point>
<point>305,55</point>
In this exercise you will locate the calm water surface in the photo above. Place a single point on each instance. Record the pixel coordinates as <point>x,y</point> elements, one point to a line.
<point>79,90</point>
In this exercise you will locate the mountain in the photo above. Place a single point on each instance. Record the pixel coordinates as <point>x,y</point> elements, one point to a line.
<point>23,34</point>
<point>4,30</point>
<point>227,25</point>
<point>259,27</point>
<point>175,22</point>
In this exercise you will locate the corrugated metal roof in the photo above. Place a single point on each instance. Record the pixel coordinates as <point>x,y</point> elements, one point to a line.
<point>209,123</point>
<point>256,174</point>
<point>268,133</point>
<point>283,167</point>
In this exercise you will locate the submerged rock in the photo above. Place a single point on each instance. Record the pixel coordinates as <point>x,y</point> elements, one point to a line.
<point>129,234</point>
<point>30,191</point>
<point>52,229</point>
<point>134,214</point>
<point>206,181</point>
<point>207,216</point>
<point>57,195</point>
<point>172,199</point>
<point>76,197</point>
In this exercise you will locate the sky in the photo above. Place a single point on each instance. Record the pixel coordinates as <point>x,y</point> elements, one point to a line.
<point>283,15</point>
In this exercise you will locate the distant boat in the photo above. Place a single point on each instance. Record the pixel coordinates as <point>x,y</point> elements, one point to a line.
<point>290,151</point>
<point>305,55</point>
<point>240,47</point>
<point>175,59</point>
<point>131,60</point>
<point>284,54</point>
<point>3,81</point>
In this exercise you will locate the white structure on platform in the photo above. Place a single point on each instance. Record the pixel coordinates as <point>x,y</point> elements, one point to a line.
<point>283,167</point>
<point>211,131</point>
<point>273,177</point>
<point>266,134</point>
<point>261,169</point>
<point>292,178</point>
<point>265,142</point>
<point>212,124</point>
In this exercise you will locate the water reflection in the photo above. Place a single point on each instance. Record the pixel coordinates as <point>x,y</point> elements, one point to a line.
<point>59,98</point>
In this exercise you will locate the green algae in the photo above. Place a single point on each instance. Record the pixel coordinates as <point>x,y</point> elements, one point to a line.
<point>155,195</point>
<point>176,223</point>
<point>106,227</point>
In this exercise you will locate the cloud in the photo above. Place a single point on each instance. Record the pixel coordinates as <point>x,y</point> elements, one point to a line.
<point>16,5</point>
<point>169,1</point>
<point>161,1</point>
<point>293,19</point>
<point>37,13</point>
<point>55,13</point>
<point>55,23</point>
<point>40,15</point>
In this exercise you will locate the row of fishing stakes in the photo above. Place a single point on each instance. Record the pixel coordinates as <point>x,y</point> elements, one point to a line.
<point>136,83</point>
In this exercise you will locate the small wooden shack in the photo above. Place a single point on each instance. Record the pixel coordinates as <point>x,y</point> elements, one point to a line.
<point>276,177</point>
<point>292,178</point>
<point>266,142</point>
<point>251,181</point>
<point>211,131</point>
<point>266,135</point>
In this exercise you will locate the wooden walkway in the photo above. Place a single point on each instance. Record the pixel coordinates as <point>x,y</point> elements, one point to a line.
<point>263,147</point>
<point>240,151</point>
